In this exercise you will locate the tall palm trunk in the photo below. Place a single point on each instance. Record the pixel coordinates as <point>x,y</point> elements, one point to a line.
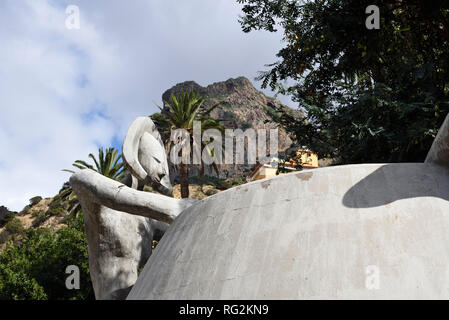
<point>184,180</point>
<point>201,175</point>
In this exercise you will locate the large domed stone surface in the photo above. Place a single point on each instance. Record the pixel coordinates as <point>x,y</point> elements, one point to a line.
<point>312,234</point>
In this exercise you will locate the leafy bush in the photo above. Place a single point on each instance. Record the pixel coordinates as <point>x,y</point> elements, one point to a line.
<point>35,213</point>
<point>40,218</point>
<point>237,181</point>
<point>4,236</point>
<point>3,212</point>
<point>56,212</point>
<point>14,226</point>
<point>8,217</point>
<point>35,200</point>
<point>36,268</point>
<point>210,192</point>
<point>17,285</point>
<point>25,210</point>
<point>65,186</point>
<point>55,203</point>
<point>65,194</point>
<point>228,115</point>
<point>74,203</point>
<point>223,185</point>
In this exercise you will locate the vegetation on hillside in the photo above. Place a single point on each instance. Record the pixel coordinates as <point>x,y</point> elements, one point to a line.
<point>34,256</point>
<point>34,260</point>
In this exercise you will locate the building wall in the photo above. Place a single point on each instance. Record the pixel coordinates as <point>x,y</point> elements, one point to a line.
<point>308,158</point>
<point>265,172</point>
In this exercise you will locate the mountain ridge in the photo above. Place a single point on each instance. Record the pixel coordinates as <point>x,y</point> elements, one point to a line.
<point>241,106</point>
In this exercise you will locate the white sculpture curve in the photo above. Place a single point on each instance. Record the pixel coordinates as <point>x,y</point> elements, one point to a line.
<point>368,231</point>
<point>144,156</point>
<point>122,222</point>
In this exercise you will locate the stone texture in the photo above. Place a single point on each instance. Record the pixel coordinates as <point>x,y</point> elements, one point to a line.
<point>310,235</point>
<point>439,151</point>
<point>144,155</point>
<point>122,222</point>
<point>96,188</point>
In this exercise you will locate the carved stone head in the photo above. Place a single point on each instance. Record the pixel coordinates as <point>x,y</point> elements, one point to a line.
<point>144,155</point>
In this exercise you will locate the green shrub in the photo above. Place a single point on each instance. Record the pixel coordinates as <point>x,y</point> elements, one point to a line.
<point>17,285</point>
<point>56,203</point>
<point>8,217</point>
<point>36,268</point>
<point>73,203</point>
<point>14,226</point>
<point>56,212</point>
<point>237,181</point>
<point>4,236</point>
<point>229,115</point>
<point>3,212</point>
<point>223,185</point>
<point>65,194</point>
<point>40,218</point>
<point>35,200</point>
<point>25,210</point>
<point>210,192</point>
<point>35,213</point>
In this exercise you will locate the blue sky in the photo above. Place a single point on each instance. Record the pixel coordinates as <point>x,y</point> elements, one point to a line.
<point>64,93</point>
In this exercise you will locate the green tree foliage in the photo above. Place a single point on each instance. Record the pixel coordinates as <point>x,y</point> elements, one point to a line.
<point>180,113</point>
<point>369,95</point>
<point>14,226</point>
<point>5,215</point>
<point>35,269</point>
<point>35,200</point>
<point>208,122</point>
<point>39,219</point>
<point>108,164</point>
<point>182,110</point>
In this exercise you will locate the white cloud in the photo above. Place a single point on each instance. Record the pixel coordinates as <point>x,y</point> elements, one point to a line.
<point>65,92</point>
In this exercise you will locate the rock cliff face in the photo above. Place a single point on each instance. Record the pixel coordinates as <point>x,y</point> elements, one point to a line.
<point>241,106</point>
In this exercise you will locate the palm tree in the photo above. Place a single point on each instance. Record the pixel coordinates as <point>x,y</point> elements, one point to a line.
<point>208,122</point>
<point>180,113</point>
<point>108,164</point>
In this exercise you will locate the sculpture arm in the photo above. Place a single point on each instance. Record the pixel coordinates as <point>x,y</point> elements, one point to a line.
<point>92,186</point>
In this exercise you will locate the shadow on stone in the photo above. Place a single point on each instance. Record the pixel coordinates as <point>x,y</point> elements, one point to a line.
<point>393,182</point>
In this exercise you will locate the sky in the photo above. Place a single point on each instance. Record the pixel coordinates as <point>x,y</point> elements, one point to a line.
<point>66,92</point>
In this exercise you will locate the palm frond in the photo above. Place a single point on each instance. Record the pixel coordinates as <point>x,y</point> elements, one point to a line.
<point>95,161</point>
<point>108,164</point>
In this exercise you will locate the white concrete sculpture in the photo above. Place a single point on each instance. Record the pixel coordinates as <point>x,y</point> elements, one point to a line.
<point>368,231</point>
<point>121,222</point>
<point>144,156</point>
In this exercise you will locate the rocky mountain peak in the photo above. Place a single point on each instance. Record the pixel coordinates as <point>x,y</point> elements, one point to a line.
<point>237,85</point>
<point>241,106</point>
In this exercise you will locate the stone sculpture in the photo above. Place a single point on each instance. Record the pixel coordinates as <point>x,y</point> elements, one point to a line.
<point>368,231</point>
<point>121,222</point>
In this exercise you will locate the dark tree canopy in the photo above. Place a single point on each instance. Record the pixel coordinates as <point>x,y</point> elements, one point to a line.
<point>369,95</point>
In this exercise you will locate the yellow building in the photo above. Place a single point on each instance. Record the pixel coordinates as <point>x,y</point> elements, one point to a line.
<point>307,160</point>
